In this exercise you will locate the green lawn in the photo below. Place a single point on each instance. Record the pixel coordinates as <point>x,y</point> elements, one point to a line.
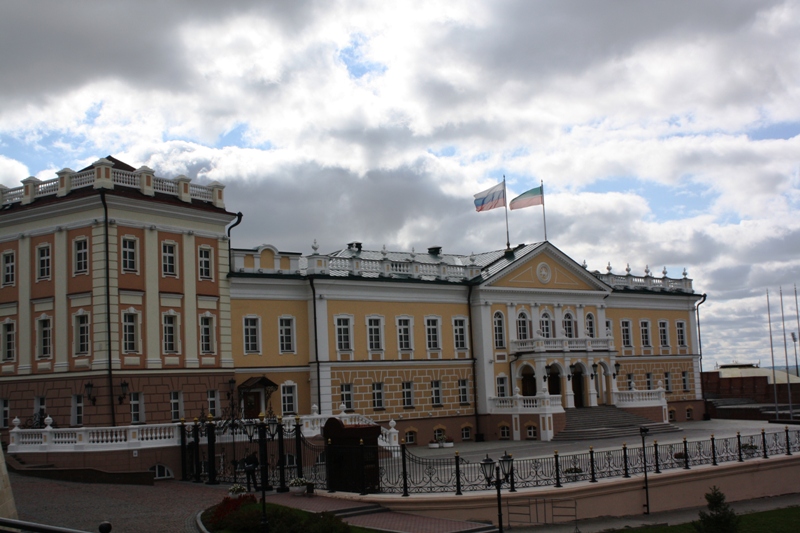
<point>777,521</point>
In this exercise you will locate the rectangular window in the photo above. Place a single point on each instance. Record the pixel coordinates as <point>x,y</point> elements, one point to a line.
<point>436,392</point>
<point>81,334</point>
<point>609,328</point>
<point>129,255</point>
<point>168,265</point>
<point>502,386</point>
<point>466,433</point>
<point>649,381</point>
<point>77,410</point>
<point>408,394</point>
<point>343,343</point>
<point>346,391</point>
<point>176,405</point>
<point>460,333</point>
<point>137,407</point>
<point>9,266</point>
<point>286,334</point>
<point>5,406</point>
<point>213,402</point>
<point>663,333</point>
<point>45,338</point>
<point>377,395</point>
<point>251,337</point>
<point>667,382</point>
<point>9,341</point>
<point>630,381</point>
<point>626,334</point>
<point>207,334</point>
<point>288,399</point>
<point>404,334</point>
<point>170,331</point>
<point>463,391</point>
<point>685,380</point>
<point>130,333</point>
<point>43,268</point>
<point>432,333</point>
<point>204,263</point>
<point>81,247</point>
<point>374,334</point>
<point>681,327</point>
<point>644,326</point>
<point>40,408</point>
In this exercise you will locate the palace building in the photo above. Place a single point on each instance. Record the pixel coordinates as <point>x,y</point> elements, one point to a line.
<point>122,303</point>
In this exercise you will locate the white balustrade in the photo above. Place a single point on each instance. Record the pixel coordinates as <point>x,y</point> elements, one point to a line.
<point>640,398</point>
<point>525,404</point>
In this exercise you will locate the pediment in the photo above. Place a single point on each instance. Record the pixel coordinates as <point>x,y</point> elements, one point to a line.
<point>547,268</point>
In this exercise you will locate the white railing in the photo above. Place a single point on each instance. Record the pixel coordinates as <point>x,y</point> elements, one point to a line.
<point>640,398</point>
<point>13,195</point>
<point>647,282</point>
<point>83,179</point>
<point>525,404</point>
<point>200,192</point>
<point>165,186</point>
<point>562,344</point>
<point>121,177</point>
<point>47,188</point>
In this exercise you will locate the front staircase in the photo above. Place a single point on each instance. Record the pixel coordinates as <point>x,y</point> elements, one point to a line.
<point>607,421</point>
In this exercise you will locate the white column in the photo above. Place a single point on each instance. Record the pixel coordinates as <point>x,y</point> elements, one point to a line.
<point>580,317</point>
<point>592,384</point>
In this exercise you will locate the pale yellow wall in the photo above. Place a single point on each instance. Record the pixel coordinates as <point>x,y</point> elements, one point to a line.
<point>617,315</point>
<point>269,311</point>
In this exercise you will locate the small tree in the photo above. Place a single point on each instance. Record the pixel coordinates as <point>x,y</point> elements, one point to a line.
<point>720,519</point>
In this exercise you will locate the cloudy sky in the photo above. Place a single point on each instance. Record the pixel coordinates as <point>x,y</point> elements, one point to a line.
<point>667,133</point>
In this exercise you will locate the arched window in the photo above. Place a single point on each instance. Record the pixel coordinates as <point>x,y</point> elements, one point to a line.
<point>499,330</point>
<point>522,326</point>
<point>569,326</point>
<point>544,325</point>
<point>590,325</point>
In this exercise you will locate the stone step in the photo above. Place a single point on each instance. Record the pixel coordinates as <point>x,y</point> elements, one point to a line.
<point>360,511</point>
<point>605,422</point>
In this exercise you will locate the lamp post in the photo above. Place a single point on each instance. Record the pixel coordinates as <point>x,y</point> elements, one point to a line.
<point>492,473</point>
<point>796,367</point>
<point>644,431</point>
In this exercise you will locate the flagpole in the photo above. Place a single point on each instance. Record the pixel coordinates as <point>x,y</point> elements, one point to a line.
<point>772,354</point>
<point>786,357</point>
<point>797,313</point>
<point>505,205</point>
<point>544,217</point>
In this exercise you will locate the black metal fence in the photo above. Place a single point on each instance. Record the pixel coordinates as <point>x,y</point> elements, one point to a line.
<point>399,471</point>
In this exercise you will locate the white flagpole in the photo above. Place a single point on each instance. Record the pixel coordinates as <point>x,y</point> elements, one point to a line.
<point>544,217</point>
<point>505,205</point>
<point>772,354</point>
<point>786,358</point>
<point>797,314</point>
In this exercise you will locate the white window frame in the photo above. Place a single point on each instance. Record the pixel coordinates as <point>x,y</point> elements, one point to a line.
<point>44,337</point>
<point>377,395</point>
<point>663,333</point>
<point>8,340</point>
<point>76,414</point>
<point>346,395</point>
<point>205,265</point>
<point>44,262</point>
<point>80,257</point>
<point>680,328</point>
<point>129,254</point>
<point>176,405</point>
<point>626,327</point>
<point>667,382</point>
<point>433,334</point>
<point>591,331</point>
<point>460,333</point>
<point>80,349</point>
<point>411,436</point>
<point>248,329</point>
<point>546,325</point>
<point>505,432</point>
<point>375,332</point>
<point>136,400</point>
<point>463,391</point>
<point>137,328</point>
<point>284,345</point>
<point>207,321</point>
<point>345,343</point>
<point>169,270</point>
<point>648,381</point>
<point>403,336</point>
<point>5,409</point>
<point>212,399</point>
<point>407,393</point>
<point>466,433</point>
<point>499,330</point>
<point>176,333</point>
<point>436,393</point>
<point>288,398</point>
<point>685,380</point>
<point>501,386</point>
<point>645,334</point>
<point>523,326</point>
<point>568,323</point>
<point>9,268</point>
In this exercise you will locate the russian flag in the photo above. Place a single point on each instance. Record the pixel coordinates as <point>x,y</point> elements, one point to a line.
<point>491,198</point>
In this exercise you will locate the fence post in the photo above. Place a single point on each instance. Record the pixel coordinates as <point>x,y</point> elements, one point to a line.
<point>512,488</point>
<point>788,444</point>
<point>764,443</point>
<point>281,458</point>
<point>685,454</point>
<point>328,463</point>
<point>458,475</point>
<point>713,451</point>
<point>739,444</point>
<point>212,451</point>
<point>558,470</point>
<point>363,468</point>
<point>405,469</point>
<point>184,453</point>
<point>196,437</point>
<point>625,459</point>
<point>298,447</point>
<point>655,455</point>
<point>591,464</point>
<point>262,454</point>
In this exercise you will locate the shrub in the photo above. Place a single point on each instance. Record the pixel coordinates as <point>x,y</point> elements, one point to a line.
<point>227,507</point>
<point>720,519</point>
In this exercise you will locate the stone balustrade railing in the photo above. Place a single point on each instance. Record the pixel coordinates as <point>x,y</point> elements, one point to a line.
<point>540,344</point>
<point>648,282</point>
<point>641,398</point>
<point>523,404</point>
<point>356,266</point>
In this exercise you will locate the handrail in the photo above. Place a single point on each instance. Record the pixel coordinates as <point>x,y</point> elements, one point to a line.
<point>22,525</point>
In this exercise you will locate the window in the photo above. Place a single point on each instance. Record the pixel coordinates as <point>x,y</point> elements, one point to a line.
<point>463,391</point>
<point>375,334</point>
<point>289,398</point>
<point>129,255</point>
<point>530,432</point>
<point>629,379</point>
<point>649,381</point>
<point>569,326</point>
<point>685,380</point>
<point>522,327</point>
<point>81,256</point>
<point>460,333</point>
<point>130,332</point>
<point>170,330</point>
<point>626,334</point>
<point>43,262</point>
<point>411,437</point>
<point>681,327</point>
<point>213,401</point>
<point>408,393</point>
<point>343,334</point>
<point>9,265</point>
<point>663,333</point>
<point>44,338</point>
<point>505,432</point>
<point>76,418</point>
<point>667,382</point>
<point>137,407</point>
<point>502,386</point>
<point>5,406</point>
<point>169,267</point>
<point>689,413</point>
<point>436,392</point>
<point>404,334</point>
<point>608,328</point>
<point>672,415</point>
<point>40,408</point>
<point>346,391</point>
<point>466,433</point>
<point>438,434</point>
<point>204,269</point>
<point>81,334</point>
<point>251,336</point>
<point>499,330</point>
<point>207,330</point>
<point>9,341</point>
<point>176,405</point>
<point>644,326</point>
<point>432,333</point>
<point>377,395</point>
<point>544,325</point>
<point>590,326</point>
<point>286,334</point>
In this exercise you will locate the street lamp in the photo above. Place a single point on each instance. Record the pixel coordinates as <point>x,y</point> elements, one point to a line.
<point>644,431</point>
<point>617,366</point>
<point>796,367</point>
<point>492,474</point>
<point>594,370</point>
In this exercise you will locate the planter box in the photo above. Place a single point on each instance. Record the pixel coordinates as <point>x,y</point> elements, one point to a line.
<point>447,444</point>
<point>433,445</point>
